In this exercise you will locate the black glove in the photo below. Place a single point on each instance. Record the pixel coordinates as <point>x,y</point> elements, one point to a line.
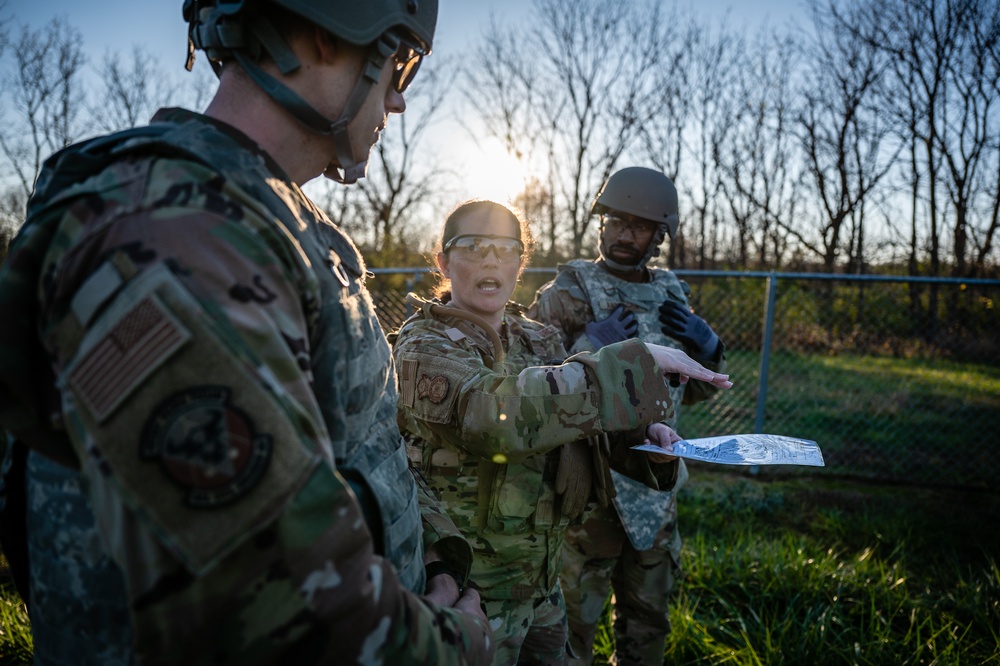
<point>681,324</point>
<point>620,325</point>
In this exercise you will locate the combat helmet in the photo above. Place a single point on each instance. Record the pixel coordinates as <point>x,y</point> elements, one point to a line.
<point>239,29</point>
<point>644,193</point>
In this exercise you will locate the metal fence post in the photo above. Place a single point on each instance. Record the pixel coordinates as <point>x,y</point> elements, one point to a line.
<point>765,350</point>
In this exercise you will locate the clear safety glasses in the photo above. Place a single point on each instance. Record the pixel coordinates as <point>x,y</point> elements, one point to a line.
<point>476,247</point>
<point>618,226</point>
<point>407,61</point>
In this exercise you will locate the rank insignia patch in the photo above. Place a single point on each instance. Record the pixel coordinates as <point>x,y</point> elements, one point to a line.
<point>434,389</point>
<point>207,446</point>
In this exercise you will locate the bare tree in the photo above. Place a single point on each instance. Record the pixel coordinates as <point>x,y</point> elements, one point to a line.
<point>992,222</point>
<point>678,141</point>
<point>506,91</point>
<point>131,92</point>
<point>44,99</point>
<point>921,38</point>
<point>570,94</point>
<point>10,207</point>
<point>756,154</point>
<point>842,130</point>
<point>942,54</point>
<point>970,121</point>
<point>663,135</point>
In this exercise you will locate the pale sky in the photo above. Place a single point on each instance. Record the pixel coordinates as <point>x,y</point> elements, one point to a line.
<point>157,26</point>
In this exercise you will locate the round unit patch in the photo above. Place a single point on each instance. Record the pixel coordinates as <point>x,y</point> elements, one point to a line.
<point>434,389</point>
<point>206,446</point>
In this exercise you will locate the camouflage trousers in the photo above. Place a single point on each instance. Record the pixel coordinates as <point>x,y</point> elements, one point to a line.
<point>529,632</point>
<point>598,557</point>
<point>78,609</point>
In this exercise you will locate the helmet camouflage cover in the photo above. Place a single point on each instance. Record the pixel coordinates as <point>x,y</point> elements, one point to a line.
<point>644,193</point>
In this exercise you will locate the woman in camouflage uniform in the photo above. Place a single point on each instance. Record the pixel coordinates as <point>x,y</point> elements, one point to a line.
<point>512,442</point>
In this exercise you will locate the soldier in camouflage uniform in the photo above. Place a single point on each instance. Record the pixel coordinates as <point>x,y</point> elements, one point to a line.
<point>634,546</point>
<point>188,347</point>
<point>495,424</point>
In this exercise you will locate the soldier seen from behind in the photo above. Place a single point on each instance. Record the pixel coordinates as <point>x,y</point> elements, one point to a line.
<point>511,435</point>
<point>633,547</point>
<point>189,353</point>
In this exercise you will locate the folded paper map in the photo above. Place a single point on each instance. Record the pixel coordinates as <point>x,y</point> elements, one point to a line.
<point>746,450</point>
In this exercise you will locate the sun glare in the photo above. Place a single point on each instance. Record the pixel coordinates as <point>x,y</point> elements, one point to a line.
<point>489,172</point>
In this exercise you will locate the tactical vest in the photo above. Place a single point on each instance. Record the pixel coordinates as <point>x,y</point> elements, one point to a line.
<point>643,511</point>
<point>353,377</point>
<point>534,346</point>
<point>510,495</point>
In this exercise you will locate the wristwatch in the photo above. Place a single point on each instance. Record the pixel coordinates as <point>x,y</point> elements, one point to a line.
<point>439,567</point>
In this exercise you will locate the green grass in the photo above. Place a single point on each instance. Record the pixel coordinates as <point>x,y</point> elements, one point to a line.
<point>805,571</point>
<point>919,421</point>
<point>15,631</point>
<point>823,572</point>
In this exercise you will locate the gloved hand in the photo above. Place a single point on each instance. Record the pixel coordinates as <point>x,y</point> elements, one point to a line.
<point>681,324</point>
<point>574,478</point>
<point>618,326</point>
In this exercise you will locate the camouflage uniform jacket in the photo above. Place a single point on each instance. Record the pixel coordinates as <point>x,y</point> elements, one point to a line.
<point>460,412</point>
<point>217,357</point>
<point>582,292</point>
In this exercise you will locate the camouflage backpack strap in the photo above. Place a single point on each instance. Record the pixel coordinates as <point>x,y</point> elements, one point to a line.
<point>588,279</point>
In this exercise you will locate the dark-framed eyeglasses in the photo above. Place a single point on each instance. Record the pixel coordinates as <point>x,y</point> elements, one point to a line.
<point>406,63</point>
<point>618,225</point>
<point>475,247</point>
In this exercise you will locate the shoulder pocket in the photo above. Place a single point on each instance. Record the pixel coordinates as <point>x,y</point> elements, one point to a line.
<point>429,385</point>
<point>195,433</point>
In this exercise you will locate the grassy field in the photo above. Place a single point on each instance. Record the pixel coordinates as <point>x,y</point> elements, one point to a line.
<point>816,571</point>
<point>15,632</point>
<point>811,569</point>
<point>912,420</point>
<point>807,571</point>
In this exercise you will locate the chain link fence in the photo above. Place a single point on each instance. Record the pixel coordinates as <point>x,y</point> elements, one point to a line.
<point>897,379</point>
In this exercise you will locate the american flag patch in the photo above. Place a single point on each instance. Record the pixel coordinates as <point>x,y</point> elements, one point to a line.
<point>137,344</point>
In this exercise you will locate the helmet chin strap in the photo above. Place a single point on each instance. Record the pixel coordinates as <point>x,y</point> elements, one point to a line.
<point>347,168</point>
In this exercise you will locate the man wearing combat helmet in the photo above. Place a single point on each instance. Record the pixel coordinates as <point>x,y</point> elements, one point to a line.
<point>214,460</point>
<point>634,546</point>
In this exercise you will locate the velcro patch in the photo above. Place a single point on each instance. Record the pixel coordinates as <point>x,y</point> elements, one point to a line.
<point>429,383</point>
<point>434,388</point>
<point>204,467</point>
<point>206,446</point>
<point>132,349</point>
